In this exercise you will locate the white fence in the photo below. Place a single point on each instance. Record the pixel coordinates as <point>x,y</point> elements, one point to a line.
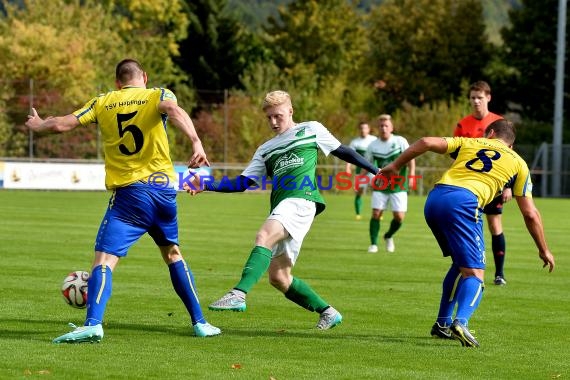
<point>90,175</point>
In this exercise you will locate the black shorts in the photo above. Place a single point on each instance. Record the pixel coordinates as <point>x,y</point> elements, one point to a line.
<point>495,207</point>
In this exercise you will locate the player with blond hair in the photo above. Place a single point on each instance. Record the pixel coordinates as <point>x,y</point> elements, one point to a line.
<point>290,160</point>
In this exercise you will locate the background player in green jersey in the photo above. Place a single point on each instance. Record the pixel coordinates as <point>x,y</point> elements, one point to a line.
<point>385,149</point>
<point>289,160</point>
<point>359,144</point>
<point>132,120</point>
<point>453,212</point>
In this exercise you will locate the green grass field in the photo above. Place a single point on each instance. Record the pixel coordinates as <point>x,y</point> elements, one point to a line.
<point>389,301</point>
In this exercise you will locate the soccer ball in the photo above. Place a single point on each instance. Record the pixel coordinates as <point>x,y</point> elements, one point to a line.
<point>74,289</point>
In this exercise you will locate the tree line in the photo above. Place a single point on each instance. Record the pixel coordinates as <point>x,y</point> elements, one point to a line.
<point>411,58</point>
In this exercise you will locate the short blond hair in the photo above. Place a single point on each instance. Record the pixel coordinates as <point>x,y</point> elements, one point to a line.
<point>276,98</point>
<point>384,116</point>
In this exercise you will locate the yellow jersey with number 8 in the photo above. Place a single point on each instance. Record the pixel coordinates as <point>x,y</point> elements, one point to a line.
<point>134,134</point>
<point>485,167</point>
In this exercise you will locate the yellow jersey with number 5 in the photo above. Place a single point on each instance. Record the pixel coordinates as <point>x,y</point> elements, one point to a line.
<point>485,167</point>
<point>134,134</point>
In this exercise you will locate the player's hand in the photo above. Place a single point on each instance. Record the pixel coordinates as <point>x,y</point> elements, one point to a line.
<point>548,260</point>
<point>199,158</point>
<point>194,187</point>
<point>507,194</point>
<point>34,120</point>
<point>389,171</point>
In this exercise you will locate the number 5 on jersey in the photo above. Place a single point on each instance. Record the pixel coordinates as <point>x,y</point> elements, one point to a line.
<point>135,131</point>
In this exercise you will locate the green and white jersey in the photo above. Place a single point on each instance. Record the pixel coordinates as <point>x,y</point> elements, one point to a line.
<point>290,160</point>
<point>381,153</point>
<point>360,144</point>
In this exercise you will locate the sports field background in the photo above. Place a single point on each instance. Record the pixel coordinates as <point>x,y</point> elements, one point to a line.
<point>388,301</point>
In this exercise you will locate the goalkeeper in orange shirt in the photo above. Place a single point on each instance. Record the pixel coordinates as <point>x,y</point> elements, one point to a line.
<point>474,125</point>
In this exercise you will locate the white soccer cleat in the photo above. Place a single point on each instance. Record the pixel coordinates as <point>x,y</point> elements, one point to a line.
<point>373,248</point>
<point>500,280</point>
<point>230,301</point>
<point>82,334</point>
<point>205,329</point>
<point>390,246</point>
<point>329,319</point>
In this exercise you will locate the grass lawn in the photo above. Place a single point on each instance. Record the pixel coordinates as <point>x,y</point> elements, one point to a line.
<point>388,301</point>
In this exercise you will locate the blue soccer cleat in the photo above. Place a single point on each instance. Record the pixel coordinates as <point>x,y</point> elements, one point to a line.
<point>83,334</point>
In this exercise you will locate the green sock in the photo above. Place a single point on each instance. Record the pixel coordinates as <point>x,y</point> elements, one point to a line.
<point>254,268</point>
<point>374,229</point>
<point>303,295</point>
<point>357,204</point>
<point>394,226</point>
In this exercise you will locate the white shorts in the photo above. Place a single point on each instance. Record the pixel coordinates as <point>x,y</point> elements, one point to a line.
<point>296,215</point>
<point>363,186</point>
<point>398,201</point>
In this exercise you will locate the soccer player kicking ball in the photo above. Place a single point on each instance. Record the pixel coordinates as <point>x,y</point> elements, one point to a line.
<point>133,123</point>
<point>453,212</point>
<point>290,159</point>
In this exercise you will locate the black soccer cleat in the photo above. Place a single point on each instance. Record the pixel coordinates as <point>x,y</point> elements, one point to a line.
<point>439,331</point>
<point>463,335</point>
<point>500,280</point>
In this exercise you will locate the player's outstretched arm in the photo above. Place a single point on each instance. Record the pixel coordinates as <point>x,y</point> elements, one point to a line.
<point>59,124</point>
<point>425,144</point>
<point>349,155</point>
<point>181,120</point>
<point>226,185</point>
<point>534,226</point>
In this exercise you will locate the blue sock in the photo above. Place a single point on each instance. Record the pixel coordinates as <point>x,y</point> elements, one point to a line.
<point>449,296</point>
<point>98,293</point>
<point>184,285</point>
<point>469,294</point>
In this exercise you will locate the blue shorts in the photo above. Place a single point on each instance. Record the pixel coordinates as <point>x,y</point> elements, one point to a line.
<point>134,210</point>
<point>454,217</point>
